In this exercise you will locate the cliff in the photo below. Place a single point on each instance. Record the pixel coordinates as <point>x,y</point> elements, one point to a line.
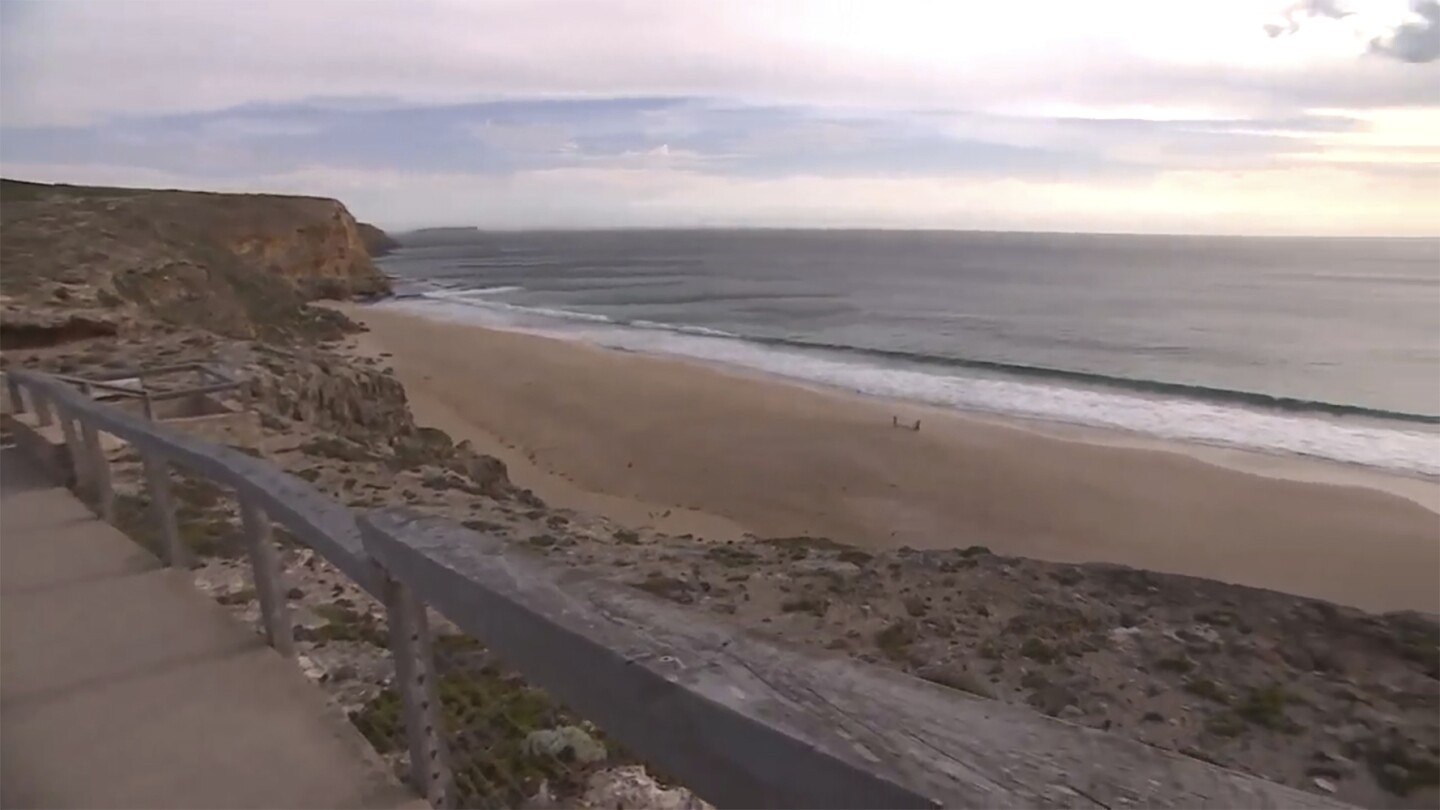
<point>84,262</point>
<point>377,242</point>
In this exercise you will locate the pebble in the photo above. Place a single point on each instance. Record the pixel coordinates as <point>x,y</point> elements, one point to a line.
<point>1324,784</point>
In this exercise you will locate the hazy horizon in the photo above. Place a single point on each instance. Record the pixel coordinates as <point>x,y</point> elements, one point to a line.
<point>1226,117</point>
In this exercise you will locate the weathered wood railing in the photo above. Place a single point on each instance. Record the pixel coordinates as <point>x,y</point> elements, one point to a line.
<point>741,720</point>
<point>134,383</point>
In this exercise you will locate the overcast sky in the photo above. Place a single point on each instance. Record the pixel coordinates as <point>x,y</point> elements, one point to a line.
<point>1219,116</point>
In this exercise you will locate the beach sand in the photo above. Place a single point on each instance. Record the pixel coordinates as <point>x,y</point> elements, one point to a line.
<point>686,447</point>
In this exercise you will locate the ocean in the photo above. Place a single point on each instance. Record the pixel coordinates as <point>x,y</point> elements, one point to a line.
<point>1310,346</point>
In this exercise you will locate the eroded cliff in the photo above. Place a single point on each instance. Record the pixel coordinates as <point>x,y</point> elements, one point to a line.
<point>119,260</point>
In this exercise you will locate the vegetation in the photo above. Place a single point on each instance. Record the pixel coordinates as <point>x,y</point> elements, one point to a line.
<point>1225,725</point>
<point>1265,707</point>
<point>805,604</point>
<point>487,716</point>
<point>1037,650</point>
<point>732,556</point>
<point>957,678</point>
<point>1206,688</point>
<point>343,623</point>
<point>895,639</point>
<point>1399,769</point>
<point>1175,664</point>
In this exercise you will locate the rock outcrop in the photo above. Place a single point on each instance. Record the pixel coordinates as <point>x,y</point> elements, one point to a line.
<point>377,242</point>
<point>241,265</point>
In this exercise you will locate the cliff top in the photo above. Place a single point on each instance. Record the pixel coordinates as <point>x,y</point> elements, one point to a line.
<point>242,265</point>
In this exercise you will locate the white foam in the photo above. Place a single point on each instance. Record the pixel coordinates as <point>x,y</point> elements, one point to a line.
<point>471,292</point>
<point>684,329</point>
<point>1407,451</point>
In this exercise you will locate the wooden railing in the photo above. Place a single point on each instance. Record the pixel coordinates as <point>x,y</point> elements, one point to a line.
<point>741,720</point>
<point>136,384</point>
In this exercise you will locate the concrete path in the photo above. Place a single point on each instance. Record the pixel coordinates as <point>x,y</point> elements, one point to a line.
<point>121,685</point>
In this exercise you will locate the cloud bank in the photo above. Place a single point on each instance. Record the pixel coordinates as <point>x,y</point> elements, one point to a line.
<point>1192,116</point>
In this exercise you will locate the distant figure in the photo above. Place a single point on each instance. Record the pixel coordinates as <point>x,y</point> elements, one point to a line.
<point>895,422</point>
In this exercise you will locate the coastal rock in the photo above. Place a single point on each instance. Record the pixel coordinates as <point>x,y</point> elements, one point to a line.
<point>242,265</point>
<point>631,786</point>
<point>377,242</point>
<point>570,743</point>
<point>352,401</point>
<point>35,328</point>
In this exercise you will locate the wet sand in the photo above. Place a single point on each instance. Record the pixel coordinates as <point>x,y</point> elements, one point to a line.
<point>686,447</point>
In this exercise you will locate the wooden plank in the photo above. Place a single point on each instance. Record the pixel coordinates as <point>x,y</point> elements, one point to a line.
<point>746,722</point>
<point>17,401</point>
<point>269,585</point>
<point>220,373</point>
<point>314,518</point>
<point>126,373</point>
<point>99,465</point>
<point>43,412</point>
<point>415,678</point>
<point>162,510</point>
<point>176,393</point>
<point>79,461</point>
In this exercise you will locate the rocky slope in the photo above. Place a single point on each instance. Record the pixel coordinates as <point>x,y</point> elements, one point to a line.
<point>90,262</point>
<point>1324,698</point>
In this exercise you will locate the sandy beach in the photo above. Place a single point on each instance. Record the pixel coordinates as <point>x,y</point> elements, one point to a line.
<point>685,447</point>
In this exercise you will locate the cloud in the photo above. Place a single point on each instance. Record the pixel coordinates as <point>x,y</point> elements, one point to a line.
<point>1412,40</point>
<point>1277,201</point>
<point>175,56</point>
<point>1417,40</point>
<point>627,109</point>
<point>1296,15</point>
<point>725,137</point>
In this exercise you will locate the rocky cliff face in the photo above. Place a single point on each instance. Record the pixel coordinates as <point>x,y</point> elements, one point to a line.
<point>241,265</point>
<point>377,242</point>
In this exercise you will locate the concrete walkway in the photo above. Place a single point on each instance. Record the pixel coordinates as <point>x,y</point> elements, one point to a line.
<point>121,685</point>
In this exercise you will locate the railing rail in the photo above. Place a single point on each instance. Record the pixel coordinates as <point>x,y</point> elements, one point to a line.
<point>314,518</point>
<point>741,720</point>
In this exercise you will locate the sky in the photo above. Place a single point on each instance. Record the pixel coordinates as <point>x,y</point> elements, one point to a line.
<point>1169,116</point>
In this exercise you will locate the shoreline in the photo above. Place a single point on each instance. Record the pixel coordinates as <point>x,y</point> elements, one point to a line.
<point>1423,491</point>
<point>717,452</point>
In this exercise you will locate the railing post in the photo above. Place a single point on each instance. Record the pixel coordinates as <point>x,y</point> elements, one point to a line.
<point>79,465</point>
<point>415,679</point>
<point>100,473</point>
<point>162,508</point>
<point>265,565</point>
<point>17,401</point>
<point>43,410</point>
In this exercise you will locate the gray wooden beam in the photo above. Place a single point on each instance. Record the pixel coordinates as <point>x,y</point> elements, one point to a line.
<point>79,461</point>
<point>162,510</point>
<point>177,393</point>
<point>44,414</point>
<point>415,679</point>
<point>314,518</point>
<point>17,401</point>
<point>99,465</point>
<point>269,585</point>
